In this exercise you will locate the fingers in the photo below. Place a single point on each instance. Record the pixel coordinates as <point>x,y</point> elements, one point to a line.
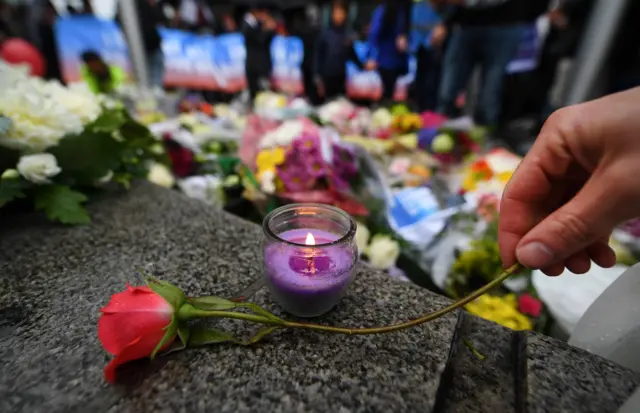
<point>562,236</point>
<point>526,197</point>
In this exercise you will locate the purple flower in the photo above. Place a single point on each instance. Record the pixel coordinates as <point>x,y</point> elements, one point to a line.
<point>307,143</point>
<point>338,183</point>
<point>295,178</point>
<point>344,161</point>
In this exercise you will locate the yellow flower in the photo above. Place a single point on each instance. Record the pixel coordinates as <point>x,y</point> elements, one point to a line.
<point>501,310</point>
<point>268,159</point>
<point>504,177</point>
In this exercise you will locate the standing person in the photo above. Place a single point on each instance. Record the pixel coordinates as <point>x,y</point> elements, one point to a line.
<point>150,18</point>
<point>486,34</point>
<point>195,16</point>
<point>48,42</point>
<point>334,49</point>
<point>258,30</point>
<point>307,31</point>
<point>388,45</point>
<point>427,35</point>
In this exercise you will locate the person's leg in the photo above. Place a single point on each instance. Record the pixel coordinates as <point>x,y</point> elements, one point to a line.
<point>500,47</point>
<point>253,84</point>
<point>389,79</point>
<point>156,69</point>
<point>420,82</point>
<point>457,68</point>
<point>334,87</point>
<point>432,67</point>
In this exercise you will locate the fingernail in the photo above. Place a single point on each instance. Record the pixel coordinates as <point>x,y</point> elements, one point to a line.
<point>535,255</point>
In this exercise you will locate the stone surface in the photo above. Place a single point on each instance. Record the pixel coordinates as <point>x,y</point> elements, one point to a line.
<point>565,379</point>
<point>54,280</point>
<point>484,382</point>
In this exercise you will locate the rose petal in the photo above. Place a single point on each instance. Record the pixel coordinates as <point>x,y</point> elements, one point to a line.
<point>138,348</point>
<point>130,314</point>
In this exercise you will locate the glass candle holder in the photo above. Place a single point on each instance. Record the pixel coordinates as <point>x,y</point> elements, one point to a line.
<point>309,257</point>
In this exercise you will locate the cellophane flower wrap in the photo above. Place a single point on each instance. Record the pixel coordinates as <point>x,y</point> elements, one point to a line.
<point>56,141</point>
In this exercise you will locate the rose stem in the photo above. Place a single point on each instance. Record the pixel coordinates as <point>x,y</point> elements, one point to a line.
<point>189,312</point>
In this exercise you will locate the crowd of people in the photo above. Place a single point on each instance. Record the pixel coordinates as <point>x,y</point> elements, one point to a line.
<point>449,39</point>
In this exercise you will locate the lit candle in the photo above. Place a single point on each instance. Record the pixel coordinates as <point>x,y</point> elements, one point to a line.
<point>309,269</point>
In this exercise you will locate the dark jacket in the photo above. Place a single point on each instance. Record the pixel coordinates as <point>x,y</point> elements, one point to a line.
<point>505,13</point>
<point>257,42</point>
<point>334,49</point>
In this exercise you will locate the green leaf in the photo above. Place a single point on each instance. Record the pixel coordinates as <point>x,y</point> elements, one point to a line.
<point>202,336</point>
<point>61,203</point>
<point>172,330</point>
<point>172,294</point>
<point>184,333</point>
<point>109,121</point>
<point>11,189</point>
<point>262,333</point>
<point>88,156</point>
<point>259,311</point>
<point>212,303</point>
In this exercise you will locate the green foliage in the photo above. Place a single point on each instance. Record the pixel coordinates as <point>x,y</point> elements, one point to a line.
<point>61,203</point>
<point>202,336</point>
<point>87,157</point>
<point>11,189</point>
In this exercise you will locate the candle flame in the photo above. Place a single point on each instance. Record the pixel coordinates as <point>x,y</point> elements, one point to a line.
<point>310,240</point>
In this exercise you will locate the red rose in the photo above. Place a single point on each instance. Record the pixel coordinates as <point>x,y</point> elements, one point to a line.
<point>131,326</point>
<point>529,305</point>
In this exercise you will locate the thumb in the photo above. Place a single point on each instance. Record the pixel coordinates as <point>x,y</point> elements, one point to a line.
<point>571,228</point>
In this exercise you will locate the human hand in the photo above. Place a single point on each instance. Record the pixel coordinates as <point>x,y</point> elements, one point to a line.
<point>401,43</point>
<point>557,18</point>
<point>578,182</point>
<point>438,35</point>
<point>320,87</point>
<point>270,23</point>
<point>371,65</point>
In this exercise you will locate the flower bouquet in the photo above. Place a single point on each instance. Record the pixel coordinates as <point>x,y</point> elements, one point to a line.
<point>56,142</point>
<point>299,162</point>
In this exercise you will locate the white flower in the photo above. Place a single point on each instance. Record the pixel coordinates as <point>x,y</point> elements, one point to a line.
<point>381,119</point>
<point>267,182</point>
<point>161,175</point>
<point>362,237</point>
<point>38,168</point>
<point>77,99</point>
<point>383,252</point>
<point>283,135</point>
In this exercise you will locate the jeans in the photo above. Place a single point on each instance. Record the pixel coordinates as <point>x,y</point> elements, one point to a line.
<point>427,79</point>
<point>491,47</point>
<point>155,68</point>
<point>334,86</point>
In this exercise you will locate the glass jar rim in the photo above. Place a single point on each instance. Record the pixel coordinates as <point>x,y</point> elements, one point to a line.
<point>344,238</point>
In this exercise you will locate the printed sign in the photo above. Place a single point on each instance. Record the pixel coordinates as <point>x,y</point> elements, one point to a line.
<point>206,62</point>
<point>78,34</point>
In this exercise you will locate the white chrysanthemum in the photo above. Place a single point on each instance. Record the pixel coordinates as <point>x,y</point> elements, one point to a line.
<point>38,168</point>
<point>161,175</point>
<point>78,99</point>
<point>38,121</point>
<point>283,135</point>
<point>383,252</point>
<point>267,182</point>
<point>381,119</point>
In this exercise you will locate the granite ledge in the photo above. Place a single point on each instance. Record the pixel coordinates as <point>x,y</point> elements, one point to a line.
<point>54,279</point>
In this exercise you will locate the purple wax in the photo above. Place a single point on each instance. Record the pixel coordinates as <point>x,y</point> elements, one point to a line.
<point>308,281</point>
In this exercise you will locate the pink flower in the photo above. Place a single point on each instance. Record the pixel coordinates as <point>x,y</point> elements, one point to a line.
<point>131,326</point>
<point>337,182</point>
<point>529,305</point>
